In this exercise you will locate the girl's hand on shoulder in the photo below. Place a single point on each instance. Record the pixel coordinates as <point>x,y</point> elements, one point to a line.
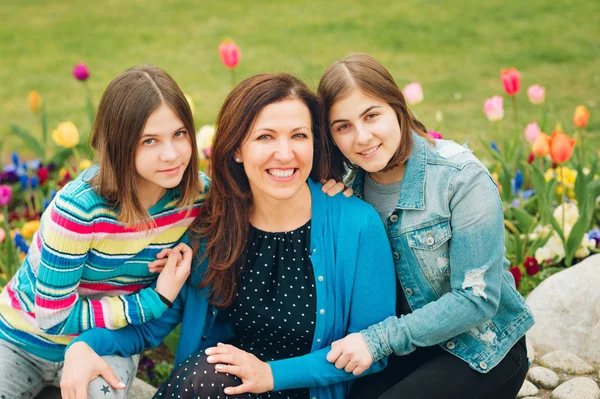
<point>255,374</point>
<point>176,271</point>
<point>351,354</point>
<point>333,188</point>
<point>81,366</point>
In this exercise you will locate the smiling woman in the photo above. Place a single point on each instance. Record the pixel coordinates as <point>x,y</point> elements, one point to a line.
<point>289,268</point>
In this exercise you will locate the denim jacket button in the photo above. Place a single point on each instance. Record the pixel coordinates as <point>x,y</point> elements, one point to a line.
<point>450,345</point>
<point>320,278</point>
<point>394,218</point>
<point>409,291</point>
<point>396,255</point>
<point>430,240</point>
<point>483,365</point>
<point>322,311</point>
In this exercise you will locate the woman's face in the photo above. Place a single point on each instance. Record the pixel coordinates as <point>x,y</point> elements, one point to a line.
<point>365,129</point>
<point>277,155</point>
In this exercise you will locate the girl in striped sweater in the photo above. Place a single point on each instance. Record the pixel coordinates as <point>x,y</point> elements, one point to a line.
<point>88,263</point>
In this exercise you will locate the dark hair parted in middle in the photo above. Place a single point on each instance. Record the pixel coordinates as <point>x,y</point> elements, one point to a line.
<point>225,225</point>
<point>364,73</point>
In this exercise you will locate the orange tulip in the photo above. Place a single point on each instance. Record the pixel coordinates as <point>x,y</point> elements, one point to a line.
<point>541,145</point>
<point>581,117</point>
<point>561,147</point>
<point>35,101</point>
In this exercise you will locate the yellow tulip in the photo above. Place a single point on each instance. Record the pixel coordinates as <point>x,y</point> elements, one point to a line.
<point>66,135</point>
<point>30,228</point>
<point>35,101</point>
<point>84,164</point>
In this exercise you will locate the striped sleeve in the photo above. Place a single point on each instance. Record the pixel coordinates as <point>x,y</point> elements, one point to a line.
<point>64,241</point>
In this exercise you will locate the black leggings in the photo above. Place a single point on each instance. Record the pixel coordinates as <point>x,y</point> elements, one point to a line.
<point>431,373</point>
<point>196,378</point>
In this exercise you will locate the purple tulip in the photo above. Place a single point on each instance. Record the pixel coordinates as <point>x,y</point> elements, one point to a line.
<point>80,72</point>
<point>5,195</point>
<point>434,134</point>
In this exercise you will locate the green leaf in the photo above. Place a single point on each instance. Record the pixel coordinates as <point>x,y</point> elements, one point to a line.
<point>173,339</point>
<point>525,220</point>
<point>30,141</point>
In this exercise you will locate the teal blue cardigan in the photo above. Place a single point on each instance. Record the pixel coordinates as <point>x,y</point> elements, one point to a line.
<point>355,285</point>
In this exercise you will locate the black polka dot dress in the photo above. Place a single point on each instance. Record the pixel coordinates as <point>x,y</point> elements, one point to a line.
<point>274,314</point>
<point>274,310</point>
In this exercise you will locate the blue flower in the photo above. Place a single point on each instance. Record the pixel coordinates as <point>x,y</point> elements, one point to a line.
<point>516,203</point>
<point>45,204</point>
<point>495,147</point>
<point>34,182</point>
<point>23,179</point>
<point>517,182</point>
<point>528,194</point>
<point>34,164</point>
<point>595,235</point>
<point>20,243</point>
<point>15,158</point>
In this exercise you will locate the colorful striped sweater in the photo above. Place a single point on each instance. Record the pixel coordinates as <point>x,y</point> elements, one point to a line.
<point>84,269</point>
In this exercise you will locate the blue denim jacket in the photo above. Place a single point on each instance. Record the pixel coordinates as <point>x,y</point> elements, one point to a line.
<point>447,234</point>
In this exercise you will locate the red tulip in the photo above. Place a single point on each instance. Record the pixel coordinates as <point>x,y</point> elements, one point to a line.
<point>511,81</point>
<point>517,274</point>
<point>230,54</point>
<point>561,147</point>
<point>530,158</point>
<point>42,174</point>
<point>531,266</point>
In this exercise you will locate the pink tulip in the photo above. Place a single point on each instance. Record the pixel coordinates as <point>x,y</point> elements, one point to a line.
<point>493,108</point>
<point>511,81</point>
<point>81,72</point>
<point>2,235</point>
<point>5,195</point>
<point>536,94</point>
<point>230,54</point>
<point>532,131</point>
<point>413,93</point>
<point>435,135</point>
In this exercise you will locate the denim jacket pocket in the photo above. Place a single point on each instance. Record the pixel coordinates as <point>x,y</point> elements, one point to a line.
<point>430,246</point>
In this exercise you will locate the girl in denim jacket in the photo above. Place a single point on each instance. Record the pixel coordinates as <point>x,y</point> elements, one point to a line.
<point>460,325</point>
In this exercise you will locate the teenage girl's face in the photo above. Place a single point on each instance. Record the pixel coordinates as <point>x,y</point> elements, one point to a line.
<point>365,129</point>
<point>163,153</point>
<point>278,153</point>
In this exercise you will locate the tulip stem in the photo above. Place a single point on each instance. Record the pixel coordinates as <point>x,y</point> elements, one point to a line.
<point>233,80</point>
<point>562,193</point>
<point>514,103</point>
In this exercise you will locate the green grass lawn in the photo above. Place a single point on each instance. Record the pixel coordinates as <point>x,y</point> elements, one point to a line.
<point>455,49</point>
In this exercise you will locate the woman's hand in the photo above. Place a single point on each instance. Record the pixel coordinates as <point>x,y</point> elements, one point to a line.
<point>176,271</point>
<point>351,354</point>
<point>81,366</point>
<point>255,374</point>
<point>333,188</point>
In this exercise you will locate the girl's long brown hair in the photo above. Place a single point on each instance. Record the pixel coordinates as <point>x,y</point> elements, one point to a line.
<point>124,108</point>
<point>366,74</point>
<point>225,224</point>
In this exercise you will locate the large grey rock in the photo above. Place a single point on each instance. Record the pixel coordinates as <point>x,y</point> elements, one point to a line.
<point>566,362</point>
<point>580,388</point>
<point>566,307</point>
<point>528,389</point>
<point>543,377</point>
<point>530,350</point>
<point>139,390</point>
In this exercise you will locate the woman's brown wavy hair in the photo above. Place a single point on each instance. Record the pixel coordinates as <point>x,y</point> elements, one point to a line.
<point>364,73</point>
<point>224,226</point>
